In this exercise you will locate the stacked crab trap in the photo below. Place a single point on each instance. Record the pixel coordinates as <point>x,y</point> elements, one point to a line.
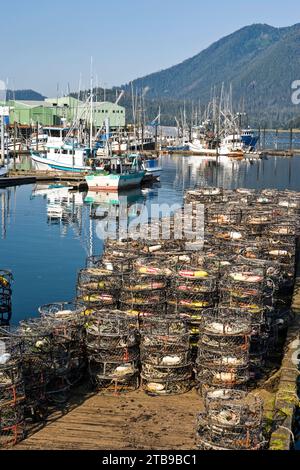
<point>53,360</point>
<point>223,350</point>
<point>112,343</point>
<point>144,289</point>
<point>192,291</point>
<point>5,297</point>
<point>232,420</point>
<point>98,288</point>
<point>165,356</point>
<point>65,321</point>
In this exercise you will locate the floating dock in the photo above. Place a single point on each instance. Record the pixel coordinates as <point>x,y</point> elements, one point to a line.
<point>31,177</point>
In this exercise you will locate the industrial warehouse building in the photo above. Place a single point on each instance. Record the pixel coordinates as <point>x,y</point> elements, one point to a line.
<point>57,111</point>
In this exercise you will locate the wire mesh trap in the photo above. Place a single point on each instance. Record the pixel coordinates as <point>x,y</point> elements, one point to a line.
<point>192,287</point>
<point>112,341</point>
<point>68,349</point>
<point>165,356</point>
<point>232,420</point>
<point>98,288</point>
<point>223,348</point>
<point>245,285</point>
<point>12,392</point>
<point>5,297</point>
<point>139,289</point>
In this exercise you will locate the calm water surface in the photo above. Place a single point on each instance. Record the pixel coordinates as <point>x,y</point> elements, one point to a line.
<point>45,252</point>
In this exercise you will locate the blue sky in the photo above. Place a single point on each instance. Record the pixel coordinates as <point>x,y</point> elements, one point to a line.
<point>45,43</point>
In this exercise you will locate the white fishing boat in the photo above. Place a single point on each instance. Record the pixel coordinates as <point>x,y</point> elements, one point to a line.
<point>198,148</point>
<point>116,174</point>
<point>232,146</point>
<point>62,157</point>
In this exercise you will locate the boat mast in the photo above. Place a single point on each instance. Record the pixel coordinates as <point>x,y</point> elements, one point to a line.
<point>2,160</point>
<point>91,110</point>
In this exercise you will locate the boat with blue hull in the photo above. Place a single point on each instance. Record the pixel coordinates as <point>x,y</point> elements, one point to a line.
<point>249,139</point>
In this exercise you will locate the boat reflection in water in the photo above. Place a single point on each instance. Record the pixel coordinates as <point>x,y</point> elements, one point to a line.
<point>64,207</point>
<point>109,212</point>
<point>114,212</point>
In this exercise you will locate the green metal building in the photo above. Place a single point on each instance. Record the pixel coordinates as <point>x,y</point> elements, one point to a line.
<point>28,113</point>
<point>57,111</point>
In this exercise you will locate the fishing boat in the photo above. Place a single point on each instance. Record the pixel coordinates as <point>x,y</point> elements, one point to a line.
<point>249,139</point>
<point>62,156</point>
<point>39,142</point>
<point>232,146</point>
<point>198,148</point>
<point>152,167</point>
<point>116,173</point>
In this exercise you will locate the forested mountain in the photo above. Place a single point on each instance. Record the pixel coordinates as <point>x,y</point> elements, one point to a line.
<point>260,62</point>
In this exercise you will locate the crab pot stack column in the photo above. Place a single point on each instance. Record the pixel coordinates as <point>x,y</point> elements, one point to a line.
<point>223,349</point>
<point>192,291</point>
<point>37,366</point>
<point>98,288</point>
<point>144,289</point>
<point>5,297</point>
<point>246,287</point>
<point>232,420</point>
<point>165,356</point>
<point>12,393</point>
<point>65,321</point>
<point>112,343</point>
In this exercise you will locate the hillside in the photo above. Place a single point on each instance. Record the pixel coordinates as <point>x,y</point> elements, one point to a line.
<point>259,60</point>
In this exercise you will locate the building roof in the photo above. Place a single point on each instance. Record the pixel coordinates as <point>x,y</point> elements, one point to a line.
<point>33,104</point>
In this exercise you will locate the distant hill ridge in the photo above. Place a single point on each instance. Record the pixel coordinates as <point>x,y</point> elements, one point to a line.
<point>260,62</point>
<point>26,95</point>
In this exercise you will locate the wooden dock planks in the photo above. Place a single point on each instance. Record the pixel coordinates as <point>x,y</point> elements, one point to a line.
<point>133,421</point>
